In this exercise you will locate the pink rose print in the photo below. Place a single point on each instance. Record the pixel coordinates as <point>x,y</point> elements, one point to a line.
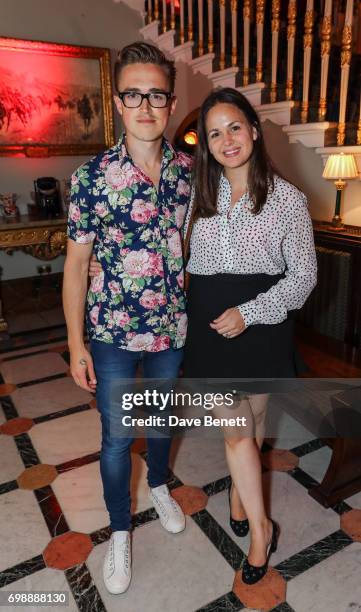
<point>114,287</point>
<point>137,263</point>
<point>121,318</point>
<point>182,326</point>
<point>150,299</point>
<point>74,213</point>
<point>97,283</point>
<point>183,188</point>
<point>74,180</point>
<point>175,245</point>
<point>161,343</point>
<point>155,265</point>
<point>116,234</point>
<point>179,215</point>
<point>84,238</point>
<point>141,342</point>
<point>116,177</point>
<point>184,160</point>
<point>121,176</point>
<point>94,315</point>
<point>180,279</point>
<point>104,162</point>
<point>142,211</point>
<point>101,210</point>
<point>111,322</point>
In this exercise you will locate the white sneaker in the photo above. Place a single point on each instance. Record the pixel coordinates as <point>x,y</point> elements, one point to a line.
<point>170,513</point>
<point>117,567</point>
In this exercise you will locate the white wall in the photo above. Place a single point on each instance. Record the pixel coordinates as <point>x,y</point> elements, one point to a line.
<point>190,91</point>
<point>100,23</point>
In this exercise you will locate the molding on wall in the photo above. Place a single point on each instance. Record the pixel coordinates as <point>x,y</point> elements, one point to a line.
<point>278,112</point>
<point>253,93</point>
<point>224,78</point>
<point>150,31</point>
<point>183,52</point>
<point>166,41</point>
<point>203,64</point>
<point>310,134</point>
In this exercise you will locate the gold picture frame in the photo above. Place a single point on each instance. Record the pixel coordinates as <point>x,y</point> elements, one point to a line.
<point>55,99</point>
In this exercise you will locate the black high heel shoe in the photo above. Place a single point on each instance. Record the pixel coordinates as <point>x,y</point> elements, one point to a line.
<point>240,528</point>
<point>254,573</point>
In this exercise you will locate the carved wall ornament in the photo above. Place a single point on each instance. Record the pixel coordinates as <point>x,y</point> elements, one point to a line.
<point>45,242</point>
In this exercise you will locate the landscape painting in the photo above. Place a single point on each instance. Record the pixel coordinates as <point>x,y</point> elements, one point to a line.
<point>54,99</point>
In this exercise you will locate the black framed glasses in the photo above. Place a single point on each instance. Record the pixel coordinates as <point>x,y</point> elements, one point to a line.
<point>134,99</point>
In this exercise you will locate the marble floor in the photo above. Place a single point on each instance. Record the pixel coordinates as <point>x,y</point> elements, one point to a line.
<point>54,525</point>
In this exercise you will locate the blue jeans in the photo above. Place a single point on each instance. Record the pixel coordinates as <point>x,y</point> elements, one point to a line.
<point>112,365</point>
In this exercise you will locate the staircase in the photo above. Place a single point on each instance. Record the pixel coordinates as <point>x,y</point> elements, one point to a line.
<point>297,61</point>
<point>269,50</point>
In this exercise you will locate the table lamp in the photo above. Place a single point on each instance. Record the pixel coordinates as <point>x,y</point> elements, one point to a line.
<point>340,166</point>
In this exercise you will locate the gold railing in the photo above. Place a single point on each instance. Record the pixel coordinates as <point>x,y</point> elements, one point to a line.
<point>237,31</point>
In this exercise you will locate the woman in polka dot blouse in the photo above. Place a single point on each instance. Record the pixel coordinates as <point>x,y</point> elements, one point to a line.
<point>252,263</point>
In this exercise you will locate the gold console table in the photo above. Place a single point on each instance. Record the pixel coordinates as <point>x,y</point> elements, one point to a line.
<point>41,238</point>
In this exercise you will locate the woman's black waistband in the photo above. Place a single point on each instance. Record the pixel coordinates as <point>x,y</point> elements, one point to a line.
<point>257,278</point>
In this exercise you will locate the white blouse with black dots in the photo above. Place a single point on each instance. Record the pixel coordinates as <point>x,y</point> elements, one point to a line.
<point>277,240</point>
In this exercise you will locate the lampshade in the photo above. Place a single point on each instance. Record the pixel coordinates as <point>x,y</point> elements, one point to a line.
<point>340,166</point>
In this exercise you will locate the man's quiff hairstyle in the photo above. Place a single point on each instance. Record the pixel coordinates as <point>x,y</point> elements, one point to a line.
<point>144,53</point>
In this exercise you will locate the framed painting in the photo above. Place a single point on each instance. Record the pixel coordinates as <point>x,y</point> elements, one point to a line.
<point>54,99</point>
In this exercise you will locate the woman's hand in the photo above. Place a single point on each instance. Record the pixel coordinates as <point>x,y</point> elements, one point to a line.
<point>230,324</point>
<point>94,266</point>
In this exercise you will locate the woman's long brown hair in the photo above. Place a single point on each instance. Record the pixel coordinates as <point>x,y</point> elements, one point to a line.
<point>206,169</point>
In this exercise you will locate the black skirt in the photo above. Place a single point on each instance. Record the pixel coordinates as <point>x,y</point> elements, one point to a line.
<point>261,351</point>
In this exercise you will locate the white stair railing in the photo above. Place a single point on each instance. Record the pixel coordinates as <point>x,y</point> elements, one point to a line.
<point>200,28</point>
<point>325,58</point>
<point>210,27</point>
<point>276,7</point>
<point>291,37</point>
<point>246,40</point>
<point>222,19</point>
<point>253,14</point>
<point>260,7</point>
<point>190,19</point>
<point>234,13</point>
<point>307,51</point>
<point>345,70</point>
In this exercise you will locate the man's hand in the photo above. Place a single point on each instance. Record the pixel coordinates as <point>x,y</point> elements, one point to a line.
<point>230,324</point>
<point>82,369</point>
<point>94,266</point>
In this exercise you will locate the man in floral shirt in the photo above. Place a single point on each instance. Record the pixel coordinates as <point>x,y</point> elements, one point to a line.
<point>128,205</point>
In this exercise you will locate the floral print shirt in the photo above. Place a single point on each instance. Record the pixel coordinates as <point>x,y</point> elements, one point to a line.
<point>137,302</point>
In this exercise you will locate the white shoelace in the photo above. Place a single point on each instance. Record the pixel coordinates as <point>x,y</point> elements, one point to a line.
<point>167,498</point>
<point>125,546</point>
